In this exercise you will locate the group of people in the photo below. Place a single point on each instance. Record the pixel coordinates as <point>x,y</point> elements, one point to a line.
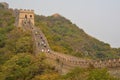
<point>41,43</point>
<point>27,24</point>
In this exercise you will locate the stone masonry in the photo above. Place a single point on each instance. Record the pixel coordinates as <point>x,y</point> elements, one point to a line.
<point>23,17</point>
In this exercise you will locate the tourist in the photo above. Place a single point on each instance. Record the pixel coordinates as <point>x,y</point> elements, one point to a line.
<point>42,50</point>
<point>48,51</point>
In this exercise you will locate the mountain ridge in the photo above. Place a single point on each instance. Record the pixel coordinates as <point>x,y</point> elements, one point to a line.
<point>64,31</point>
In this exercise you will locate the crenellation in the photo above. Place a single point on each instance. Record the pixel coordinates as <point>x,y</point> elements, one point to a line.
<point>32,10</point>
<point>26,10</point>
<point>21,9</point>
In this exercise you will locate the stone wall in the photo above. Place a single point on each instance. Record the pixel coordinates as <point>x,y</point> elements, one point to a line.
<point>65,60</point>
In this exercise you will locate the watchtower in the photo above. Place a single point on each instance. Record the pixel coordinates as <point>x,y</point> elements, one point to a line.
<point>23,16</point>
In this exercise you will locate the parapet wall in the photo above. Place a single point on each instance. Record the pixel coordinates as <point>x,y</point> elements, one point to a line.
<point>23,11</point>
<point>26,10</point>
<point>71,61</point>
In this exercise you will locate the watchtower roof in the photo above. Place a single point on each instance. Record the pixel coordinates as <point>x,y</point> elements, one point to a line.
<point>26,11</point>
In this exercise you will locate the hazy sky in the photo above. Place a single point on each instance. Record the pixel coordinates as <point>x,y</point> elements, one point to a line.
<point>99,18</point>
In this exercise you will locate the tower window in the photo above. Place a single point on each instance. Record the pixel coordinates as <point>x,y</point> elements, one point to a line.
<point>25,16</point>
<point>30,16</point>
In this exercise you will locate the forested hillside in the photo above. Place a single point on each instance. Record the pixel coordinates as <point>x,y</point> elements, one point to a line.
<point>17,61</point>
<point>67,38</point>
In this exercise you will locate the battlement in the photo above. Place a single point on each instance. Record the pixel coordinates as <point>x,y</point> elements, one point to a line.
<point>26,10</point>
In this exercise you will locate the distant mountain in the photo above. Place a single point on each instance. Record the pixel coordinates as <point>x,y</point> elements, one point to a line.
<point>65,37</point>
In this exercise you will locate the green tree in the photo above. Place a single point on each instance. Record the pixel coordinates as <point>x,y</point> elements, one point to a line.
<point>99,74</point>
<point>2,40</point>
<point>24,67</point>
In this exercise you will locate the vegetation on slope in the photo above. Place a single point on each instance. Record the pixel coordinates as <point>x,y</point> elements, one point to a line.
<point>65,37</point>
<point>17,61</point>
<point>88,74</point>
<point>12,40</point>
<point>25,66</point>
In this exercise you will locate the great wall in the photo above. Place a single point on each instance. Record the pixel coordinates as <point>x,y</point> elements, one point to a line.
<point>25,19</point>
